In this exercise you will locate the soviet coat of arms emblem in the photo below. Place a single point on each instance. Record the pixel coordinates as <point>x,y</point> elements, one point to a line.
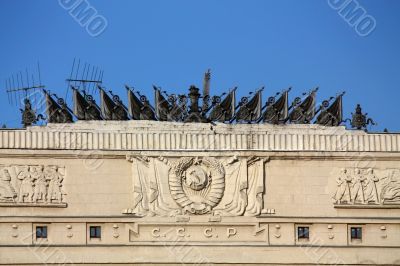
<point>170,186</point>
<point>197,185</point>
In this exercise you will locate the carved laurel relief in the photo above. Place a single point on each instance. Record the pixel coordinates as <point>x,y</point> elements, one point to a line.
<point>196,186</point>
<point>33,185</point>
<point>367,187</point>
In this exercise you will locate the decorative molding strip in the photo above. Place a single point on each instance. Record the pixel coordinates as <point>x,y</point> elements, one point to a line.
<point>33,204</point>
<point>369,206</point>
<point>153,135</point>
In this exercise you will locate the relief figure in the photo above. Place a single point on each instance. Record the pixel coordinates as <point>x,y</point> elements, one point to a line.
<point>55,179</point>
<point>342,193</point>
<point>369,186</point>
<point>365,187</point>
<point>31,184</point>
<point>7,192</point>
<point>40,190</point>
<point>26,190</point>
<point>357,189</point>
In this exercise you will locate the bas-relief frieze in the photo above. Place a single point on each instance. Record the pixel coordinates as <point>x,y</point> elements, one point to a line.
<point>31,185</point>
<point>367,187</point>
<point>230,186</point>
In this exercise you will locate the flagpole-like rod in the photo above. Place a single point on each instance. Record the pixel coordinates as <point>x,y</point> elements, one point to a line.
<point>127,87</point>
<point>298,101</point>
<point>206,91</point>
<point>241,103</point>
<point>277,94</point>
<point>66,106</point>
<point>214,103</point>
<point>322,106</point>
<point>120,102</point>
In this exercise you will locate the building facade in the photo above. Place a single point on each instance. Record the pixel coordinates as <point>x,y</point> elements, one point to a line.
<point>150,192</point>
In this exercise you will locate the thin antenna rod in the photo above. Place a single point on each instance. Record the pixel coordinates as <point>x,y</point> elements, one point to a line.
<point>34,92</point>
<point>91,76</point>
<point>22,80</point>
<point>96,79</point>
<point>13,84</point>
<point>87,72</point>
<point>101,76</point>
<point>95,75</point>
<point>27,80</point>
<point>8,94</point>
<point>95,83</point>
<point>11,96</point>
<point>83,74</point>
<point>77,71</point>
<point>19,86</point>
<point>70,77</point>
<point>84,69</point>
<point>33,81</point>
<point>22,83</point>
<point>40,78</point>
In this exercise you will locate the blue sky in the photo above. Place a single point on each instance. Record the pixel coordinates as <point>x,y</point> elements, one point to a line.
<point>248,44</point>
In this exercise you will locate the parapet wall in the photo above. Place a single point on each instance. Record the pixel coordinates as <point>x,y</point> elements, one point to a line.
<point>153,135</point>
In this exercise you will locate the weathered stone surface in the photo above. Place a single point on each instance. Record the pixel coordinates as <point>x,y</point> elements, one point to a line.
<point>194,193</point>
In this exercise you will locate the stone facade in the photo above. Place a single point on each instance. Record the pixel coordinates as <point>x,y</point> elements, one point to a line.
<point>147,192</point>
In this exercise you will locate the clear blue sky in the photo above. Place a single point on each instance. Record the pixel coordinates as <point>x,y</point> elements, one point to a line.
<point>248,44</point>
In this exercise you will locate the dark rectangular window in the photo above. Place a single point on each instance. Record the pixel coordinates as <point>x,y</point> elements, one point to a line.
<point>303,232</point>
<point>356,232</point>
<point>95,232</point>
<point>41,232</point>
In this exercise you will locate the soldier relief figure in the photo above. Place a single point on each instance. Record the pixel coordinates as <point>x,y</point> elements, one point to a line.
<point>370,188</point>
<point>27,184</point>
<point>40,190</point>
<point>7,192</point>
<point>358,195</point>
<point>31,184</point>
<point>342,194</point>
<point>55,179</point>
<point>365,187</point>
